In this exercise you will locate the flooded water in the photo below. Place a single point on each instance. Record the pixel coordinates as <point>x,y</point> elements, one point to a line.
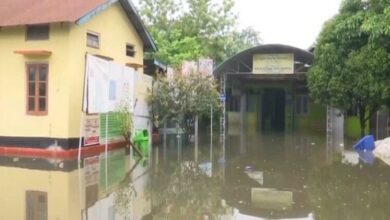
<point>255,177</point>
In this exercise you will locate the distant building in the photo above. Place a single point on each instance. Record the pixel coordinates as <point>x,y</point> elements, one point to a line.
<point>266,91</point>
<point>42,64</point>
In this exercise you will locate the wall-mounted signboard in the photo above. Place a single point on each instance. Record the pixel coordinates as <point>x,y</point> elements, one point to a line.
<point>91,130</point>
<point>273,63</point>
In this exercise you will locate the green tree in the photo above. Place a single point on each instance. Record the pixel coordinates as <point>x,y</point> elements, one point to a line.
<point>189,29</point>
<point>351,69</point>
<point>185,96</point>
<point>241,40</point>
<point>174,47</point>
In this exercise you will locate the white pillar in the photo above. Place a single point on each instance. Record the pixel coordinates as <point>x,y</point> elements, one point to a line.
<point>196,138</point>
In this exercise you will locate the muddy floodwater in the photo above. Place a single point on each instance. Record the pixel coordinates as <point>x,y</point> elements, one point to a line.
<point>251,177</point>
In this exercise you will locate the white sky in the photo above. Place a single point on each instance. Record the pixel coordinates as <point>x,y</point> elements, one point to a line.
<point>292,22</point>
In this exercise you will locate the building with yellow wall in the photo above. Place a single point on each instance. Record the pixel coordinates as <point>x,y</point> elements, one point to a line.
<point>42,63</point>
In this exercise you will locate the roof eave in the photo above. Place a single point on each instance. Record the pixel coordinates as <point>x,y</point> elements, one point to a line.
<point>93,12</point>
<point>218,69</point>
<point>135,19</point>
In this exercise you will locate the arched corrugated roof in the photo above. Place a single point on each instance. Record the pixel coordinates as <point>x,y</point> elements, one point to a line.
<point>245,58</point>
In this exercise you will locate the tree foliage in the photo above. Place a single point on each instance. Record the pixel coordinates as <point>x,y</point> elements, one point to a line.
<point>185,96</point>
<point>189,29</point>
<point>174,47</point>
<point>124,116</point>
<point>352,61</point>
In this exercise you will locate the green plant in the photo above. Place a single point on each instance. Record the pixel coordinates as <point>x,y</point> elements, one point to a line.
<point>125,117</point>
<point>183,97</point>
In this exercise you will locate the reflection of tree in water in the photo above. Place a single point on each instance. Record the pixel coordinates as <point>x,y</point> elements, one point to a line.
<point>125,194</point>
<point>347,192</point>
<point>123,200</point>
<point>184,192</point>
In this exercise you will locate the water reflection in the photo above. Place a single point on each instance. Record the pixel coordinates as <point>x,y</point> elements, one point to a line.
<point>264,177</point>
<point>184,191</point>
<point>350,192</point>
<point>299,179</point>
<point>283,163</point>
<point>40,189</point>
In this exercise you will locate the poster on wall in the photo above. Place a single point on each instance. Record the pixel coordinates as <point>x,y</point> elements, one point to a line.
<point>91,130</point>
<point>206,66</point>
<point>141,109</point>
<point>143,88</point>
<point>189,67</point>
<point>107,85</point>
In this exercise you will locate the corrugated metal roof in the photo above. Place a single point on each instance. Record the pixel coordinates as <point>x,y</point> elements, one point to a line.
<point>246,56</point>
<point>29,12</point>
<point>22,12</point>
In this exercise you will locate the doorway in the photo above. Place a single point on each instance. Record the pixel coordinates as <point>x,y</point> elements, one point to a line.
<point>273,110</point>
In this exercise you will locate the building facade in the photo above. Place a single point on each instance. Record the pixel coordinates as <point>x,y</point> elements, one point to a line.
<point>43,60</point>
<point>266,91</point>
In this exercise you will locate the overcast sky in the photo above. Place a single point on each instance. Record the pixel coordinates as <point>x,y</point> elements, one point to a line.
<point>293,22</point>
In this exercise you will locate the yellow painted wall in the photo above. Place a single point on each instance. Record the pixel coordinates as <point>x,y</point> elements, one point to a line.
<point>66,72</point>
<point>16,181</point>
<point>13,118</point>
<point>115,31</point>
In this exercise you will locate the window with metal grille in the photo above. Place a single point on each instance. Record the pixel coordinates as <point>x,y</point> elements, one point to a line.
<point>37,32</point>
<point>37,85</point>
<point>130,50</point>
<point>93,40</point>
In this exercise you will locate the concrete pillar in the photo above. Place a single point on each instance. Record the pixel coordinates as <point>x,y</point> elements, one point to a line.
<point>338,130</point>
<point>242,122</point>
<point>165,143</point>
<point>289,112</point>
<point>196,138</point>
<point>260,111</point>
<point>242,110</point>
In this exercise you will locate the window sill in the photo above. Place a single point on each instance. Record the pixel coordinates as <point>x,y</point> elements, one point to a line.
<point>37,114</point>
<point>38,52</point>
